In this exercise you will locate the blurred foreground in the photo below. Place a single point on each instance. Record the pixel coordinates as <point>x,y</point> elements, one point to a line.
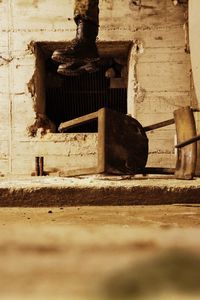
<point>140,252</point>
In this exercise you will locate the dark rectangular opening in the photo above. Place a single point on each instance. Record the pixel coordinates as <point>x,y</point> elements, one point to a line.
<point>68,97</point>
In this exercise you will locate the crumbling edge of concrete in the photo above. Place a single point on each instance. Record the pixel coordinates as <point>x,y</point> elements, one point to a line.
<point>92,195</point>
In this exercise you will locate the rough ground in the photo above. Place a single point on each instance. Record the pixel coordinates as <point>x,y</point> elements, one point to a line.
<point>97,253</point>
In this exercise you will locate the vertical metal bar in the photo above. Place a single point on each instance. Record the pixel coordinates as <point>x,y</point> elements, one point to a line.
<point>102,140</point>
<point>41,165</point>
<point>37,168</point>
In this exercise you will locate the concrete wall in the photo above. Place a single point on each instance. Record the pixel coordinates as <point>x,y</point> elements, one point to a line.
<point>159,76</point>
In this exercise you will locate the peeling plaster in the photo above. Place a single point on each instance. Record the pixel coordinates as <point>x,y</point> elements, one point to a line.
<point>42,125</point>
<point>139,92</point>
<point>31,47</point>
<point>186,30</point>
<point>5,61</point>
<point>31,87</point>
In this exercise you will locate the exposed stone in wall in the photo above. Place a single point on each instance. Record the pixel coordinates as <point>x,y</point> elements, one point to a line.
<point>138,90</point>
<point>31,86</point>
<point>42,125</point>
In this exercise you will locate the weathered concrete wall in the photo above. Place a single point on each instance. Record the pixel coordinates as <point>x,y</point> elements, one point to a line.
<point>193,20</point>
<point>159,75</point>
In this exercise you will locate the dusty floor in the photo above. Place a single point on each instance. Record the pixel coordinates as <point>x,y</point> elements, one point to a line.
<point>141,252</point>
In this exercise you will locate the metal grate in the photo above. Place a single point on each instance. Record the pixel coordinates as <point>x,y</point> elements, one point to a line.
<point>78,96</point>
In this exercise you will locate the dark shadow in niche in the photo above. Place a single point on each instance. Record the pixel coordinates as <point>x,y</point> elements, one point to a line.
<point>77,96</point>
<point>62,98</point>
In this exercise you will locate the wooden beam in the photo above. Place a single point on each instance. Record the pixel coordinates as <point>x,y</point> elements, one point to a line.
<point>80,120</point>
<point>185,130</point>
<point>159,125</point>
<point>79,172</point>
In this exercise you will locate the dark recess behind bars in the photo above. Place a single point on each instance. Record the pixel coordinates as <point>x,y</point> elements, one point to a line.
<point>78,96</point>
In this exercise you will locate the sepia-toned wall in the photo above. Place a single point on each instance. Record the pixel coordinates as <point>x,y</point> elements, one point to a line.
<point>159,77</point>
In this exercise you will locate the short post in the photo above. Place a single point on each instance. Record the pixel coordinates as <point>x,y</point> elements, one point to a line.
<point>37,166</point>
<point>41,165</point>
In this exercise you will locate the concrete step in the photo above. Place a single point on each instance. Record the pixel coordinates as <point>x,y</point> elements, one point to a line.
<point>97,190</point>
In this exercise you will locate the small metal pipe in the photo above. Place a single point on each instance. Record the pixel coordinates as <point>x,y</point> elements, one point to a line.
<point>37,167</point>
<point>41,165</point>
<point>188,142</point>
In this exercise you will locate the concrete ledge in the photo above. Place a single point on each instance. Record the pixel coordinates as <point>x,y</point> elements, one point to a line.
<point>55,191</point>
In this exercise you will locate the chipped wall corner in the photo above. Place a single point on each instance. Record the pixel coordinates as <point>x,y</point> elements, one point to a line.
<point>135,91</point>
<point>41,125</point>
